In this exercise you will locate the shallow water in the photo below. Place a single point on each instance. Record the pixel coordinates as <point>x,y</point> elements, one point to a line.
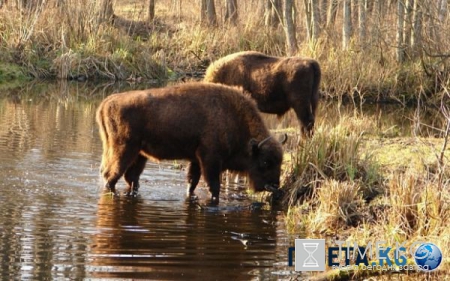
<point>56,222</point>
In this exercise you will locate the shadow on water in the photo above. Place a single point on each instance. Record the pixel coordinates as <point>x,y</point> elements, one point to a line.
<point>55,223</point>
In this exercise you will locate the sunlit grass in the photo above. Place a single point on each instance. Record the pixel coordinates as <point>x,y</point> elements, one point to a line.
<point>345,183</point>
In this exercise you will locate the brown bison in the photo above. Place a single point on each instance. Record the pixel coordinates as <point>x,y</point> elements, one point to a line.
<point>276,84</point>
<point>213,126</point>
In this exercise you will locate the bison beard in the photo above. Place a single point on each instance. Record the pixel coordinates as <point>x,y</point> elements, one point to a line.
<point>214,127</point>
<point>276,84</point>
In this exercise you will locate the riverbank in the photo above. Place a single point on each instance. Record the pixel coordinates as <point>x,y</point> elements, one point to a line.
<point>361,182</point>
<point>47,43</point>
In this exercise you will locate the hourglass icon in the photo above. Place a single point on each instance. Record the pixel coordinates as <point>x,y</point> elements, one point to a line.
<point>310,261</point>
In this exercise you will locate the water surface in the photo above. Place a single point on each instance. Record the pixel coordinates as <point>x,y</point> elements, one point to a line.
<point>56,222</point>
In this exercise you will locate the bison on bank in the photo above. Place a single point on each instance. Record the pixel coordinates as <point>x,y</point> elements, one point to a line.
<point>214,127</point>
<point>276,84</point>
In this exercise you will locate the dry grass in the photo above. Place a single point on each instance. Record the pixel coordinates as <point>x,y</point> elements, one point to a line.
<point>70,41</point>
<point>349,184</point>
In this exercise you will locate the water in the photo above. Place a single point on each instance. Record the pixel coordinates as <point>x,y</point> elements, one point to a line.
<point>56,222</point>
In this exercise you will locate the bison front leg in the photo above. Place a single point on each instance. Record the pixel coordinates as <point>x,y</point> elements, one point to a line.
<point>305,115</point>
<point>211,173</point>
<point>132,175</point>
<point>193,178</point>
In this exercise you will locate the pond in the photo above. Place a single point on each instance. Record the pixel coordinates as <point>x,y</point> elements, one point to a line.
<point>56,222</point>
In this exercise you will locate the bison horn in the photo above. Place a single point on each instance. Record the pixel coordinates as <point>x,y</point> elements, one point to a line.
<point>285,137</point>
<point>263,141</point>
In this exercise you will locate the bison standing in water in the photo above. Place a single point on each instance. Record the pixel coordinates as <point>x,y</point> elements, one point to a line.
<point>215,127</point>
<point>276,84</point>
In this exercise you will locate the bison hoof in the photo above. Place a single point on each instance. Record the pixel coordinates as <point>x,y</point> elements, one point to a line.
<point>193,197</point>
<point>132,193</point>
<point>108,191</point>
<point>214,200</point>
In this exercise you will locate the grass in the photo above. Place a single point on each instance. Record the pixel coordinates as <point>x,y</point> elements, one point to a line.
<point>352,182</point>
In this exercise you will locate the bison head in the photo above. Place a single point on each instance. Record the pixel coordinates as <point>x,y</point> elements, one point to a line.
<point>265,168</point>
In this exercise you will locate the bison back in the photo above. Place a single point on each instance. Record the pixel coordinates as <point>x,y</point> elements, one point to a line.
<point>172,122</point>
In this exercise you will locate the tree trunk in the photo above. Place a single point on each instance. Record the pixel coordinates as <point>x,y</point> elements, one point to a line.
<point>231,13</point>
<point>362,21</point>
<point>208,12</point>
<point>347,24</point>
<point>315,20</point>
<point>408,22</point>
<point>308,17</point>
<point>416,37</point>
<point>332,13</point>
<point>400,28</point>
<point>291,40</point>
<point>442,13</point>
<point>106,11</point>
<point>323,11</point>
<point>151,10</point>
<point>273,13</point>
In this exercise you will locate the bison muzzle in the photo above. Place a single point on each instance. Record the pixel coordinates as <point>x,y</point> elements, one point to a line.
<point>276,84</point>
<point>214,127</point>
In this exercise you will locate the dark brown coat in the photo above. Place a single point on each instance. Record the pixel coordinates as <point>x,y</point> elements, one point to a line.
<point>215,127</point>
<point>276,84</point>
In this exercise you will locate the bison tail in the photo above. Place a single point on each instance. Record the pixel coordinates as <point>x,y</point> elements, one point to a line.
<point>103,134</point>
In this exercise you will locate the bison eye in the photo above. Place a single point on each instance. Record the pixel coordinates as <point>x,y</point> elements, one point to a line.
<point>265,164</point>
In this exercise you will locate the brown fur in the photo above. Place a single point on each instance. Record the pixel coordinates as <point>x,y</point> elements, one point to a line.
<point>215,127</point>
<point>276,84</point>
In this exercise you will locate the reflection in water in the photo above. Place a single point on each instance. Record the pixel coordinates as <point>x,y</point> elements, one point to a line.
<point>167,241</point>
<point>54,223</point>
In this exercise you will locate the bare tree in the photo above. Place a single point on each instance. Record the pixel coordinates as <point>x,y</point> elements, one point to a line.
<point>408,22</point>
<point>308,17</point>
<point>442,13</point>
<point>400,27</point>
<point>291,40</point>
<point>347,25</point>
<point>273,13</point>
<point>315,20</point>
<point>106,10</point>
<point>332,12</point>
<point>416,37</point>
<point>208,12</point>
<point>312,9</point>
<point>231,13</point>
<point>362,21</point>
<point>151,10</point>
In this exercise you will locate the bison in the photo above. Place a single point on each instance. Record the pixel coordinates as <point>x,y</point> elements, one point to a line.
<point>276,84</point>
<point>215,127</point>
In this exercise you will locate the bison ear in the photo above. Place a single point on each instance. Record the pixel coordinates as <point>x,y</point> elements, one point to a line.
<point>253,146</point>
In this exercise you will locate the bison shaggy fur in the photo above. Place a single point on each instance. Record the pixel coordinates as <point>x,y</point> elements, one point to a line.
<point>275,83</point>
<point>214,127</point>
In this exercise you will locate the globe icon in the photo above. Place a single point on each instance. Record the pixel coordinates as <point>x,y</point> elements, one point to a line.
<point>428,256</point>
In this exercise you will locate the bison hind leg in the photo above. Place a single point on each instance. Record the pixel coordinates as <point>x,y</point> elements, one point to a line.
<point>117,163</point>
<point>132,175</point>
<point>193,177</point>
